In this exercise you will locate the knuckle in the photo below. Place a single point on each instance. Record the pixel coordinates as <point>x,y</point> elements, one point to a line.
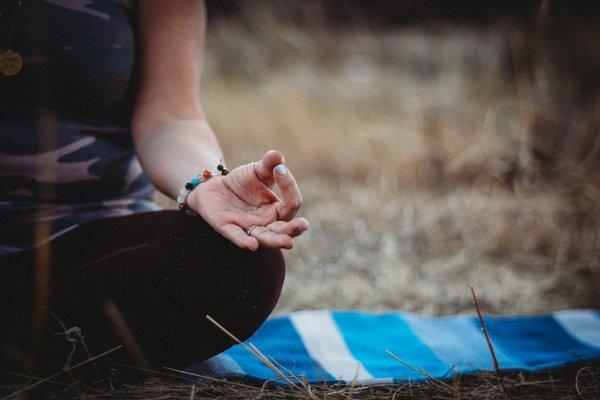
<point>261,172</point>
<point>278,226</point>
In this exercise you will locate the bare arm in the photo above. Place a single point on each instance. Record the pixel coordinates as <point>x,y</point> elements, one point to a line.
<point>174,142</point>
<point>172,138</point>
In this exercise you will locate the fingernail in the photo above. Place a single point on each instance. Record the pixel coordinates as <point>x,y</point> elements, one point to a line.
<point>280,169</point>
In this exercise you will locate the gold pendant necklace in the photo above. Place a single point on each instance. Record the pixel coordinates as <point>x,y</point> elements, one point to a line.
<point>11,62</point>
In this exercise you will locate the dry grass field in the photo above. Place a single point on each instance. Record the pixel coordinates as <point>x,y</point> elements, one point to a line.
<point>413,149</point>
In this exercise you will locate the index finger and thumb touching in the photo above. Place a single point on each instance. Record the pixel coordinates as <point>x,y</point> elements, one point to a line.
<point>271,168</point>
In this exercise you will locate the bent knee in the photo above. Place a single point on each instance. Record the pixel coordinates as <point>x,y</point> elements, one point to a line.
<point>268,264</point>
<point>240,285</point>
<point>255,291</point>
<point>265,272</point>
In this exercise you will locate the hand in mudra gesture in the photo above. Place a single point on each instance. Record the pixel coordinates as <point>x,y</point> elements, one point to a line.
<point>234,203</point>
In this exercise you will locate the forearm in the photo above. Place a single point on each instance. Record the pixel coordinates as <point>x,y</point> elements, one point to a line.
<point>173,151</point>
<point>172,139</point>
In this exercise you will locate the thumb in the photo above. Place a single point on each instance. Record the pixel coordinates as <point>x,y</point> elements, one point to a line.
<point>264,167</point>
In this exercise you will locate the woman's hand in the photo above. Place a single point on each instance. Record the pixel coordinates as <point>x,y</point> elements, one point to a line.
<point>234,203</point>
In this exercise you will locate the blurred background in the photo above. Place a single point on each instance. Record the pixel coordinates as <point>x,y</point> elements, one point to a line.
<point>438,145</point>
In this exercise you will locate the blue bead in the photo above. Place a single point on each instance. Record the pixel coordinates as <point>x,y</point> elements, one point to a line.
<point>195,181</point>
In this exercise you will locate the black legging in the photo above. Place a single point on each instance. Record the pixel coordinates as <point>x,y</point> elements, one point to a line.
<point>163,271</point>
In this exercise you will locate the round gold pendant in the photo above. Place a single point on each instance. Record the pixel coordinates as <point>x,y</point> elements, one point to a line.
<point>11,62</point>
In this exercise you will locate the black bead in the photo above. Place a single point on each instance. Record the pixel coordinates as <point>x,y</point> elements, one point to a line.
<point>220,167</point>
<point>189,186</point>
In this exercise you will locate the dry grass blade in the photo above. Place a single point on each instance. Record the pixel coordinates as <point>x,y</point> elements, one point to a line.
<point>35,378</point>
<point>420,371</point>
<point>490,345</point>
<point>122,330</point>
<point>208,378</point>
<point>51,377</point>
<point>304,383</point>
<point>254,351</point>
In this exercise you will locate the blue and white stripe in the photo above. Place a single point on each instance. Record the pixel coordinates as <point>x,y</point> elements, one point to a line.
<point>350,346</point>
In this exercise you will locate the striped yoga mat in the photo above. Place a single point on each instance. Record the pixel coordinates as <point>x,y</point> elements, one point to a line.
<point>346,346</point>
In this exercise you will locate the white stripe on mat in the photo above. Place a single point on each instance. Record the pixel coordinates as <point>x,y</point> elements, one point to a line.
<point>326,345</point>
<point>456,341</point>
<point>583,325</point>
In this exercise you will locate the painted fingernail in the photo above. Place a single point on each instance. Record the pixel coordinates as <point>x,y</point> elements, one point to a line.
<point>280,169</point>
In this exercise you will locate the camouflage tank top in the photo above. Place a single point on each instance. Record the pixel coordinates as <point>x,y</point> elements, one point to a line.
<point>66,153</point>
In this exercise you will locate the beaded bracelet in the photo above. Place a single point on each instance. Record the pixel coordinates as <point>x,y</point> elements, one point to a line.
<point>195,181</point>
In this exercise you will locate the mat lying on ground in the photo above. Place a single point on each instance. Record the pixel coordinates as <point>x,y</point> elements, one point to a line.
<point>330,346</point>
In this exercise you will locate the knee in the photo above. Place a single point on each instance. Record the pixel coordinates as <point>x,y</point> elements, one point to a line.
<point>239,286</point>
<point>256,276</point>
<point>266,272</point>
<point>268,268</point>
<point>260,279</point>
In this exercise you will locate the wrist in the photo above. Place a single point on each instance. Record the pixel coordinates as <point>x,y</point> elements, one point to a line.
<point>188,193</point>
<point>191,202</point>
